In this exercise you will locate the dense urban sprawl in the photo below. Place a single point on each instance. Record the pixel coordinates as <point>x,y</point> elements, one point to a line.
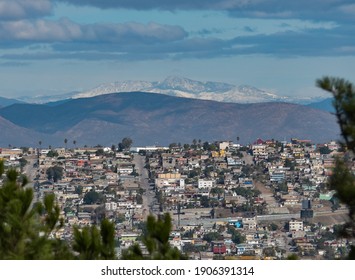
<point>266,200</point>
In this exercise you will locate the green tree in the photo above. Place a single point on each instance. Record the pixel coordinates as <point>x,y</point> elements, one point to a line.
<point>172,145</point>
<point>324,150</point>
<point>290,164</point>
<point>23,162</point>
<point>273,227</point>
<point>193,173</point>
<point>100,152</point>
<point>2,168</point>
<point>65,142</point>
<point>78,190</point>
<point>269,252</point>
<point>343,180</point>
<point>212,236</point>
<point>93,244</point>
<point>52,153</point>
<point>281,187</point>
<point>212,147</point>
<point>25,230</point>
<point>237,237</point>
<point>206,146</point>
<point>194,142</point>
<point>25,150</point>
<point>216,191</point>
<point>125,144</point>
<point>205,201</point>
<point>54,173</point>
<point>156,241</point>
<point>93,197</point>
<point>139,199</point>
<point>293,257</point>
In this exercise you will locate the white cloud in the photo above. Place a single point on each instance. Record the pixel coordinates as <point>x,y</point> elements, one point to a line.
<point>65,30</point>
<point>164,4</point>
<point>348,9</point>
<point>20,9</point>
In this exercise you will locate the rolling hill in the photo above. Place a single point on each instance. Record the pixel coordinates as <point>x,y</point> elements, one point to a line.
<point>14,135</point>
<point>150,118</point>
<point>8,101</point>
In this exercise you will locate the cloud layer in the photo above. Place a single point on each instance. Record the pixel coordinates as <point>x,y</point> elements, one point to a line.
<point>316,9</point>
<point>170,5</point>
<point>23,24</point>
<point>65,30</point>
<point>20,9</point>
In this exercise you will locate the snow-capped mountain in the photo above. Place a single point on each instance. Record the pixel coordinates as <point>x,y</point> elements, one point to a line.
<point>183,87</point>
<point>125,86</point>
<point>176,83</point>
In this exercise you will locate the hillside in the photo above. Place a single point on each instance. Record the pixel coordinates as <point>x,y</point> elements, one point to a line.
<point>325,105</point>
<point>15,135</point>
<point>154,118</point>
<point>8,101</point>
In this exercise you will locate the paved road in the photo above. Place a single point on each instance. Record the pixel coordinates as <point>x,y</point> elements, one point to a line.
<point>267,194</point>
<point>270,218</point>
<point>29,170</point>
<point>149,194</point>
<point>248,159</point>
<point>31,173</point>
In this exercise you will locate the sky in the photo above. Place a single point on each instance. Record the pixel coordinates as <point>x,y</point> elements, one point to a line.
<point>59,46</point>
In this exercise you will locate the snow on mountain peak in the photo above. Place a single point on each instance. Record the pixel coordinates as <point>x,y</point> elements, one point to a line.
<point>192,86</point>
<point>184,87</point>
<point>125,86</point>
<point>182,84</point>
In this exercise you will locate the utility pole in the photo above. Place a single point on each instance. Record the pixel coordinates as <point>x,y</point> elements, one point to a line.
<point>179,208</point>
<point>179,213</point>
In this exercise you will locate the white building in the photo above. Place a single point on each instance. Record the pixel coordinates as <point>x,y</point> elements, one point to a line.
<point>206,184</point>
<point>224,145</point>
<point>125,170</point>
<point>110,206</point>
<point>295,225</point>
<point>259,151</point>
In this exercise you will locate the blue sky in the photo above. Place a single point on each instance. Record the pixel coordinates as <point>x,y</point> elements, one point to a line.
<point>59,46</point>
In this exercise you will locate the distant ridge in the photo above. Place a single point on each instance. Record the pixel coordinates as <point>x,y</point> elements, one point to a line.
<point>150,118</point>
<point>14,135</point>
<point>325,105</point>
<point>179,87</point>
<point>184,87</point>
<point>8,101</point>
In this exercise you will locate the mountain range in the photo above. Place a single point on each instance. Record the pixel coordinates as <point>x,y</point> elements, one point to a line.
<point>180,87</point>
<point>150,118</point>
<point>184,87</point>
